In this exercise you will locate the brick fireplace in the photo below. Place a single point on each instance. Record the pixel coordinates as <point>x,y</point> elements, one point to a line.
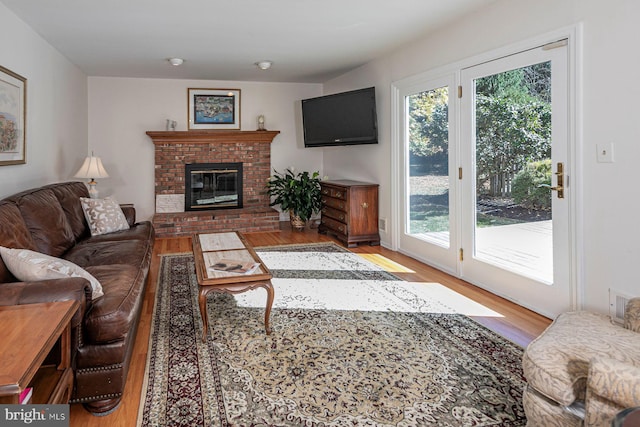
<point>175,149</point>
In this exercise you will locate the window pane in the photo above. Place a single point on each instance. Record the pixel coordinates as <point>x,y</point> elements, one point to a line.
<point>514,171</point>
<point>428,158</point>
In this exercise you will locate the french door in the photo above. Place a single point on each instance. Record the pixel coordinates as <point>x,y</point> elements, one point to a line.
<point>515,158</point>
<point>485,167</point>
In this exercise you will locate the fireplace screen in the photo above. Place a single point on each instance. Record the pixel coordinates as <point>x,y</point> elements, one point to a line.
<point>213,186</point>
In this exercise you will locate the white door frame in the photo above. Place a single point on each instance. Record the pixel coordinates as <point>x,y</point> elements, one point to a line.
<point>574,37</point>
<point>439,256</point>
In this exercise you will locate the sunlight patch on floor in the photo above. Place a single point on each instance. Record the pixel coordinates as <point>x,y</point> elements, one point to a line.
<point>316,261</point>
<point>385,263</point>
<point>323,290</point>
<point>364,295</point>
<point>460,303</point>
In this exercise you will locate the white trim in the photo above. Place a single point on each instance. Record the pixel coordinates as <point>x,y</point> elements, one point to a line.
<point>570,33</point>
<point>393,225</point>
<point>576,153</point>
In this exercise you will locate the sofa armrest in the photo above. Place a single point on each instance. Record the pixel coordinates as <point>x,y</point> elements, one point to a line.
<point>632,315</point>
<point>129,211</point>
<point>73,288</point>
<point>614,381</point>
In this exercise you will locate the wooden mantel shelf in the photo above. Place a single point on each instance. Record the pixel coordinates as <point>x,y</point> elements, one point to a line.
<point>209,136</point>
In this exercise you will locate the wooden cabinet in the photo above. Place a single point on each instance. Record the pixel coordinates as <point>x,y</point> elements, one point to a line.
<point>31,333</point>
<point>350,211</point>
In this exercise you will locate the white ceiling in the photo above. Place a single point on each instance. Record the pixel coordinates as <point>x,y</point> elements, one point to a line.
<point>309,41</point>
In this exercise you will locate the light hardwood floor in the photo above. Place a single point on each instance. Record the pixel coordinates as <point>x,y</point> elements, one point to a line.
<point>514,323</point>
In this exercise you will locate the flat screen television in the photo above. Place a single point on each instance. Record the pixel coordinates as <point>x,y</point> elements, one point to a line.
<point>346,118</point>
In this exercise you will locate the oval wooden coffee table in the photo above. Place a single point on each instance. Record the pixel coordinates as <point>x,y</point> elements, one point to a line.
<point>208,250</point>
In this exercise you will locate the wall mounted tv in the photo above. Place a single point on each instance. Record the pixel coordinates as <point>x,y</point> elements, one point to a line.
<point>346,118</point>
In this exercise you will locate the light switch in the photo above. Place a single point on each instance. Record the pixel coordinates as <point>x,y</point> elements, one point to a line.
<point>605,153</point>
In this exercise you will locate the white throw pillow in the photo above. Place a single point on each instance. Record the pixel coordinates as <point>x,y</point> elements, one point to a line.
<point>30,266</point>
<point>103,215</point>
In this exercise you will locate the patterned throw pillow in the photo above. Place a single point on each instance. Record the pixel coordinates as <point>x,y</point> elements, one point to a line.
<point>103,215</point>
<point>31,266</point>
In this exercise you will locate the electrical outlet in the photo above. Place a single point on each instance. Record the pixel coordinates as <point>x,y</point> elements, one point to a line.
<point>605,153</point>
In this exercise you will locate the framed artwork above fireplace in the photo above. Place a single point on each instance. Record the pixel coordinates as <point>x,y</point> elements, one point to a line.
<point>214,108</point>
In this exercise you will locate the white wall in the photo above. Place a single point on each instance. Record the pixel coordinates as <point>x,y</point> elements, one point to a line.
<point>121,110</point>
<point>56,108</point>
<point>609,103</point>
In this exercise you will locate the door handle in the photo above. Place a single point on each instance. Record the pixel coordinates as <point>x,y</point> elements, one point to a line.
<point>559,181</point>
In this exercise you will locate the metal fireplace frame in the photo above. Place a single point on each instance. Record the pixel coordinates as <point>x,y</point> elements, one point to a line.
<point>189,168</point>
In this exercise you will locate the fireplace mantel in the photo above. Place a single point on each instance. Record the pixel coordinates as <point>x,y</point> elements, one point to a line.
<point>212,136</point>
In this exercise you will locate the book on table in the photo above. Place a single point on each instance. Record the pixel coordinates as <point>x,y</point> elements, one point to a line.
<point>25,395</point>
<point>235,266</point>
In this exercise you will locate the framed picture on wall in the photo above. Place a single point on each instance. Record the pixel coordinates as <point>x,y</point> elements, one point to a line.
<point>214,108</point>
<point>13,117</point>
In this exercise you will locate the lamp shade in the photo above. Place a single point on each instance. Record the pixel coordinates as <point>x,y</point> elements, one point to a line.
<point>92,168</point>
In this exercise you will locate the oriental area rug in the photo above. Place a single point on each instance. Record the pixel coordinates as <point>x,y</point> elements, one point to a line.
<point>352,345</point>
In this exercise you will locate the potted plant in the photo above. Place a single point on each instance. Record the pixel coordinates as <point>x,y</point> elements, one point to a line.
<point>297,193</point>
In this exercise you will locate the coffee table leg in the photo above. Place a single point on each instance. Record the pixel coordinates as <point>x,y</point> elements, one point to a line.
<point>267,312</point>
<point>202,301</point>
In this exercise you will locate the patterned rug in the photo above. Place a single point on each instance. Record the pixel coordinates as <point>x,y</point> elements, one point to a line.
<point>352,345</point>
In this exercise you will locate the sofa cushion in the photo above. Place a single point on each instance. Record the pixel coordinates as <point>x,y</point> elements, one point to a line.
<point>142,231</point>
<point>47,222</point>
<point>103,215</point>
<point>93,253</point>
<point>68,194</point>
<point>13,233</point>
<point>112,316</point>
<point>27,265</point>
<point>556,363</point>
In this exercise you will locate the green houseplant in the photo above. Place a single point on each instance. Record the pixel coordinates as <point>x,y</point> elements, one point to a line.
<point>296,193</point>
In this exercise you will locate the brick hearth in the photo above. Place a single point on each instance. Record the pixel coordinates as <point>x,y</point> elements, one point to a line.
<point>253,148</point>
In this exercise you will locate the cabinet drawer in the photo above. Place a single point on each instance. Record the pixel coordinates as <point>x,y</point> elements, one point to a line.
<point>335,203</point>
<point>334,225</point>
<point>337,193</point>
<point>335,214</point>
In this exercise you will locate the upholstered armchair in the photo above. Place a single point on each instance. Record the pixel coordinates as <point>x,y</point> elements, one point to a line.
<point>583,369</point>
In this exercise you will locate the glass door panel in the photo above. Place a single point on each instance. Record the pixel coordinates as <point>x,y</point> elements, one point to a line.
<point>513,226</point>
<point>428,158</point>
<point>428,165</point>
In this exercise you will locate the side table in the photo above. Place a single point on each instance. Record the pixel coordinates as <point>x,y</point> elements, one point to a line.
<point>30,334</point>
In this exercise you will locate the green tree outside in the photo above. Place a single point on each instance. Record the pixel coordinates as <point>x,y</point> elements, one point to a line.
<point>513,130</point>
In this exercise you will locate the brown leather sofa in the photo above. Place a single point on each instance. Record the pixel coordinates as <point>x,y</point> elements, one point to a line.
<point>50,220</point>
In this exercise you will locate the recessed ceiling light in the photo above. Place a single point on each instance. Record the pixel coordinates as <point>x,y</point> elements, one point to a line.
<point>264,65</point>
<point>176,61</point>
